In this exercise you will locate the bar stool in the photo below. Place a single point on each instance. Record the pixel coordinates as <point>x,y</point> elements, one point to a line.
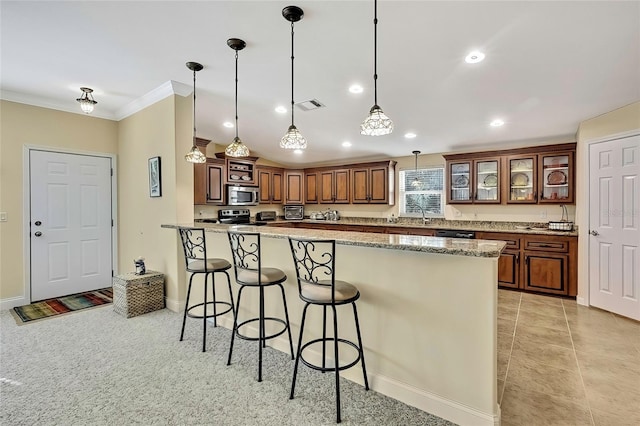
<point>245,247</point>
<point>197,262</point>
<point>314,261</point>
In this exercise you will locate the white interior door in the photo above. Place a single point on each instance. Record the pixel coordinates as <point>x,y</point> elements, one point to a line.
<point>614,222</point>
<point>70,220</point>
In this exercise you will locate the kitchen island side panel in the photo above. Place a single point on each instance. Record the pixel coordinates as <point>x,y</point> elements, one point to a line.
<point>428,321</point>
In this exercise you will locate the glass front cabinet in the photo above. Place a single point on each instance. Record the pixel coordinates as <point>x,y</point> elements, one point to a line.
<point>556,178</point>
<point>533,175</point>
<point>474,181</point>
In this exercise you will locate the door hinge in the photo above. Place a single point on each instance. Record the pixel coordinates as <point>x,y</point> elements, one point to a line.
<point>112,222</point>
<point>111,172</point>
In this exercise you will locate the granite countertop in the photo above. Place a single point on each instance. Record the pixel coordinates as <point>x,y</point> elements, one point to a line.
<point>450,246</point>
<point>478,226</point>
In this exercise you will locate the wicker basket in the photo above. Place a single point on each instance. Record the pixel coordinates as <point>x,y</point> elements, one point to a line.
<point>561,226</point>
<point>135,295</point>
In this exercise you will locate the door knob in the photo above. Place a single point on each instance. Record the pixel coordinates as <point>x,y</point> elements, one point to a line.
<point>594,233</point>
<point>38,233</point>
<point>37,223</point>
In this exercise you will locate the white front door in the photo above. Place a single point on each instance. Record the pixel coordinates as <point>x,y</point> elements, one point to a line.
<point>614,226</point>
<point>70,223</point>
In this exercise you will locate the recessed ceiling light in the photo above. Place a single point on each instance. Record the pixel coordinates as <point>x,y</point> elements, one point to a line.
<point>474,57</point>
<point>346,144</point>
<point>280,109</point>
<point>297,151</point>
<point>496,123</point>
<point>410,135</point>
<point>355,88</point>
<point>227,124</point>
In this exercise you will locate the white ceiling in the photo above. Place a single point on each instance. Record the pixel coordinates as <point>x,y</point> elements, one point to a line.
<point>548,66</point>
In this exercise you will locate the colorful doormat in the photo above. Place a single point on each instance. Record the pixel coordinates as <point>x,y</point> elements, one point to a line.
<point>62,305</point>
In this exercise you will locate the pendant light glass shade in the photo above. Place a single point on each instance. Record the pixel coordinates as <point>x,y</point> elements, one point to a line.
<point>195,155</point>
<point>293,139</point>
<point>377,123</point>
<point>236,148</point>
<point>415,183</point>
<point>86,100</point>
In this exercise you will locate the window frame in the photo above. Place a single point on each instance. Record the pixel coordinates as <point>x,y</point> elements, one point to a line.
<point>402,192</point>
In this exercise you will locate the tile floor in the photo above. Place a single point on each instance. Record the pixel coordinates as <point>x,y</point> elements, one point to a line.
<point>560,363</point>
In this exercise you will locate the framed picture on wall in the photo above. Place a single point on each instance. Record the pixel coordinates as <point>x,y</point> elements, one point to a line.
<point>155,177</point>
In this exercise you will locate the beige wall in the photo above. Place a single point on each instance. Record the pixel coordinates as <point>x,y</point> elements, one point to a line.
<point>158,130</point>
<point>28,125</point>
<point>625,120</point>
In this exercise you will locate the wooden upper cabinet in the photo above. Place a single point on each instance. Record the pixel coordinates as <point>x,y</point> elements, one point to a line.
<point>541,174</point>
<point>311,186</point>
<point>373,184</point>
<point>474,181</point>
<point>241,171</point>
<point>556,177</point>
<point>293,186</point>
<point>208,182</point>
<point>270,181</point>
<point>334,186</point>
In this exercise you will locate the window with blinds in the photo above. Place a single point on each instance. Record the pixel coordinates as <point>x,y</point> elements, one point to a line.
<point>426,193</point>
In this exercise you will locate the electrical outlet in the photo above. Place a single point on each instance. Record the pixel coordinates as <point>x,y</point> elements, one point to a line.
<point>3,216</point>
<point>543,214</point>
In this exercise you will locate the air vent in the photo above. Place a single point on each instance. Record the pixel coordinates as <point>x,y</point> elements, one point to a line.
<point>309,105</point>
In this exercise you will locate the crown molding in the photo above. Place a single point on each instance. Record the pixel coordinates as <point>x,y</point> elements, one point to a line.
<point>166,89</point>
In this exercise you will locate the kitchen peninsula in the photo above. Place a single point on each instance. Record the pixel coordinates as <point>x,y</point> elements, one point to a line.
<point>428,313</point>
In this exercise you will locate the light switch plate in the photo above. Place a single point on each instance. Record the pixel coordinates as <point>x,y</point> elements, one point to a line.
<point>3,216</point>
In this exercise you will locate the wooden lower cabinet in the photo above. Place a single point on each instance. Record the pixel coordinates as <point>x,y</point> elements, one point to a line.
<point>541,263</point>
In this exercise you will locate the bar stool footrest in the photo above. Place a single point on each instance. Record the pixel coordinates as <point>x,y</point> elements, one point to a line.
<point>227,304</point>
<point>271,336</point>
<point>329,340</point>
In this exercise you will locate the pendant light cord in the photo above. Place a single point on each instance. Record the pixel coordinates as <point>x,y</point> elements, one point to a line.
<point>194,107</point>
<point>236,94</point>
<point>292,73</point>
<point>375,52</point>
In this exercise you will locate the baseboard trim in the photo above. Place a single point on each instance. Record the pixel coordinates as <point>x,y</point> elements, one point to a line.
<point>410,395</point>
<point>174,305</point>
<point>6,304</point>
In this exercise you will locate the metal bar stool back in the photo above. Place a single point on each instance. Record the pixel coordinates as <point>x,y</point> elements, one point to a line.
<point>314,261</point>
<point>196,262</point>
<point>245,248</point>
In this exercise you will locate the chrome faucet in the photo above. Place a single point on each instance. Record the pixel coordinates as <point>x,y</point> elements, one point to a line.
<point>425,220</point>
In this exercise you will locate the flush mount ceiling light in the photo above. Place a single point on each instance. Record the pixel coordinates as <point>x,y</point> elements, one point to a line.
<point>228,124</point>
<point>356,88</point>
<point>377,123</point>
<point>496,123</point>
<point>415,183</point>
<point>474,57</point>
<point>280,109</point>
<point>195,155</point>
<point>293,139</point>
<point>346,144</point>
<point>86,100</point>
<point>236,148</point>
<point>410,135</point>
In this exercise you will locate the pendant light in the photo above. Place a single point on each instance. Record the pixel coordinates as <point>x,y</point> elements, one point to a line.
<point>195,155</point>
<point>377,123</point>
<point>293,139</point>
<point>86,100</point>
<point>415,183</point>
<point>236,148</point>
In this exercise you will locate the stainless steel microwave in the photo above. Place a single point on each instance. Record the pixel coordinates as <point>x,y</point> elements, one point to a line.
<point>242,195</point>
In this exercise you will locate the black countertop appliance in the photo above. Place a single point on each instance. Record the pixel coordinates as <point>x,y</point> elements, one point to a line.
<point>453,233</point>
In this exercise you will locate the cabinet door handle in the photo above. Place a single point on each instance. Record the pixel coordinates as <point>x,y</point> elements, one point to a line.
<point>546,245</point>
<point>526,260</point>
<point>517,259</point>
